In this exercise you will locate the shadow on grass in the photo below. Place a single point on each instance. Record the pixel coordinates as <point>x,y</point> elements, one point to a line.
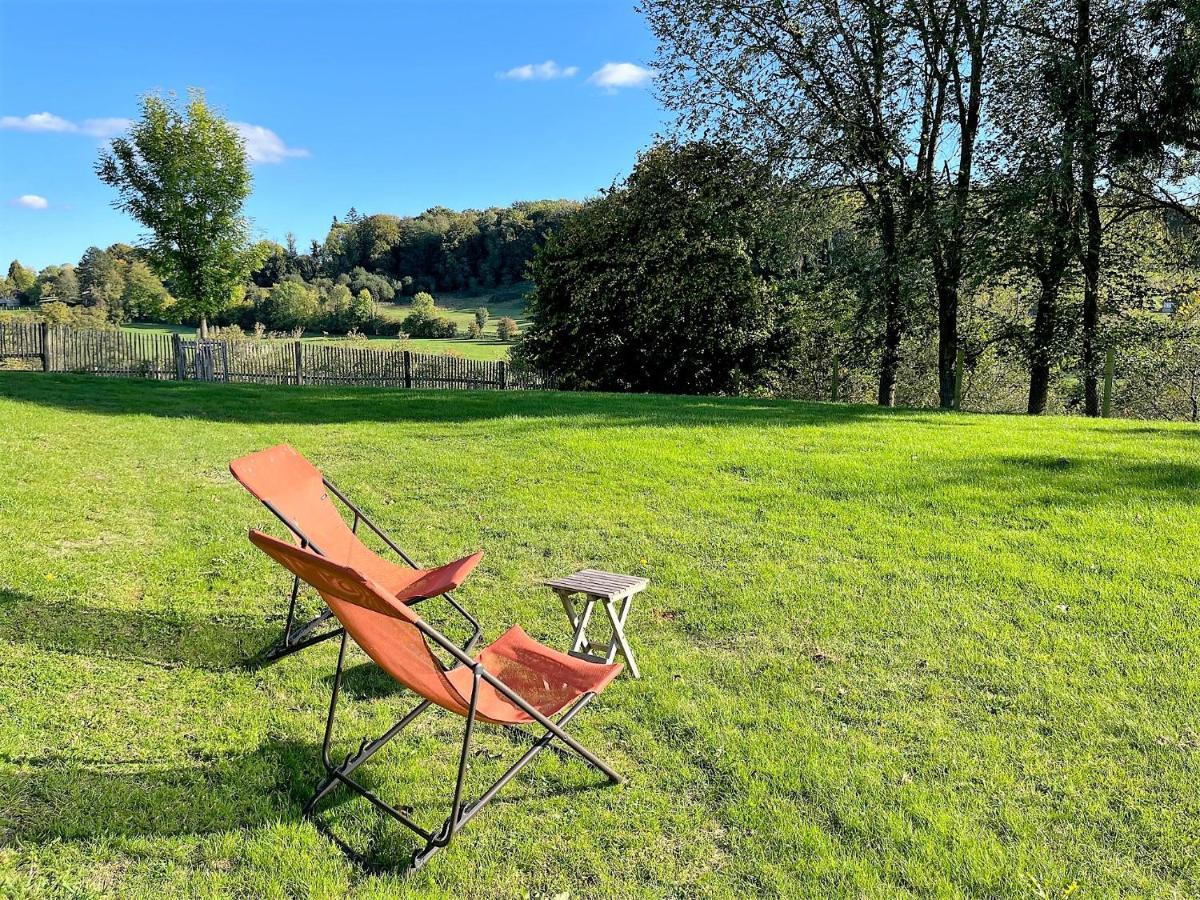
<point>64,797</point>
<point>159,637</point>
<point>245,403</point>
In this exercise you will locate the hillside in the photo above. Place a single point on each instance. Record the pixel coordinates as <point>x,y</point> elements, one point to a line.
<point>884,653</point>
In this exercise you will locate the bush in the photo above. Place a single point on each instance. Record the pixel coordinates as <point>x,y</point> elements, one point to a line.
<point>506,329</point>
<point>474,331</point>
<point>423,302</point>
<point>291,306</point>
<point>426,325</point>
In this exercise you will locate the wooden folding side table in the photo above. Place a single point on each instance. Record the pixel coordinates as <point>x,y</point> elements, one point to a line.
<point>615,592</point>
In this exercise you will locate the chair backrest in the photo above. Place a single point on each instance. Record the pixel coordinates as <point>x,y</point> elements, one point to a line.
<point>383,627</point>
<point>295,489</point>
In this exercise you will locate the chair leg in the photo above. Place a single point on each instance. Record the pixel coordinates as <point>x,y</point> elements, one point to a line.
<point>298,637</point>
<point>460,813</point>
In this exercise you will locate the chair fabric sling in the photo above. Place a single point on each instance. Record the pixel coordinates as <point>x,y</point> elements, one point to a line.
<point>302,498</point>
<point>513,681</point>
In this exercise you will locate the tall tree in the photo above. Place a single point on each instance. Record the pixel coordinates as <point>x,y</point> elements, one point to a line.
<point>839,92</point>
<point>182,173</point>
<point>958,39</point>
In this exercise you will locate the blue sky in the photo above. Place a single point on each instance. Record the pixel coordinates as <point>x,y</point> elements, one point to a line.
<point>384,106</point>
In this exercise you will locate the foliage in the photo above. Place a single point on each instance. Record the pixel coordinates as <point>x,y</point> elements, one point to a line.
<point>424,324</point>
<point>506,328</point>
<point>290,305</point>
<point>21,279</point>
<point>481,317</point>
<point>659,284</point>
<point>182,173</point>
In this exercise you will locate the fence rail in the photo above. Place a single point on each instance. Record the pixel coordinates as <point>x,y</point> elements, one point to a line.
<point>94,351</point>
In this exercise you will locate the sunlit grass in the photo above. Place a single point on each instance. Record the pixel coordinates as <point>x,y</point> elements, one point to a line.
<point>884,653</point>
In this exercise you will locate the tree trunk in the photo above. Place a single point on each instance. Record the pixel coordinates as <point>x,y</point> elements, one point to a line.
<point>1043,342</point>
<point>889,364</point>
<point>947,294</point>
<point>1088,141</point>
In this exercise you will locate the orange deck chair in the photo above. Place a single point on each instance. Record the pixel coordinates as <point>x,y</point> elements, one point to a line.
<point>299,495</point>
<point>511,682</point>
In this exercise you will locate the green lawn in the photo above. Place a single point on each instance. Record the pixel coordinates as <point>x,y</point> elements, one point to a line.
<point>486,349</point>
<point>884,653</point>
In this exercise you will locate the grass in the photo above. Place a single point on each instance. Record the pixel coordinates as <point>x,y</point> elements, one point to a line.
<point>884,653</point>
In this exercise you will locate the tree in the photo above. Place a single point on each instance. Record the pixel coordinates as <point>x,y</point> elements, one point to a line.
<point>481,318</point>
<point>842,93</point>
<point>506,329</point>
<point>143,295</point>
<point>102,281</point>
<point>182,173</point>
<point>291,306</point>
<point>665,282</point>
<point>423,302</point>
<point>21,279</point>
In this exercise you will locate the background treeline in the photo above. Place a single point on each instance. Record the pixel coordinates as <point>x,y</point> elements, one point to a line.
<point>901,201</point>
<point>334,286</point>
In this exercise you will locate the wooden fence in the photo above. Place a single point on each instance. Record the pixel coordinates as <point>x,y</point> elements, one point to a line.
<point>64,348</point>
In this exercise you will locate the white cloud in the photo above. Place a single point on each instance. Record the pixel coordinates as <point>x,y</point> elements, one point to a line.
<point>265,146</point>
<point>546,71</point>
<point>105,127</point>
<point>48,122</point>
<point>30,201</point>
<point>42,121</point>
<point>611,76</point>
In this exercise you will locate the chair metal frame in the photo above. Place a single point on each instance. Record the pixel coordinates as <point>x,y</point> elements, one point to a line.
<point>298,637</point>
<point>460,813</point>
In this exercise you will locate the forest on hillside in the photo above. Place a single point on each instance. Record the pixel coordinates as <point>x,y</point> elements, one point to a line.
<point>333,285</point>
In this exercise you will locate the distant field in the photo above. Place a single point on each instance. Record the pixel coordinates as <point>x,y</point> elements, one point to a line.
<point>885,653</point>
<point>460,308</point>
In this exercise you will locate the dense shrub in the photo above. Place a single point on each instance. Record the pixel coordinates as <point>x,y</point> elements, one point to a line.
<point>506,329</point>
<point>661,283</point>
<point>423,324</point>
<point>291,305</point>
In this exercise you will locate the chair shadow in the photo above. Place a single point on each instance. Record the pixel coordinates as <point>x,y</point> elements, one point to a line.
<point>58,797</point>
<point>170,638</point>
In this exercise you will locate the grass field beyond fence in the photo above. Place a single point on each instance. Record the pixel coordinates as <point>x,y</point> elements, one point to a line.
<point>884,653</point>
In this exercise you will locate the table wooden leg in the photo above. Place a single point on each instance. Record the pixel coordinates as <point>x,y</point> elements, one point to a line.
<point>618,639</point>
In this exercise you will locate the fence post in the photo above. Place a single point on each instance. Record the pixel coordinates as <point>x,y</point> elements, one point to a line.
<point>44,329</point>
<point>1106,404</point>
<point>180,359</point>
<point>835,380</point>
<point>502,375</point>
<point>408,368</point>
<point>299,356</point>
<point>958,373</point>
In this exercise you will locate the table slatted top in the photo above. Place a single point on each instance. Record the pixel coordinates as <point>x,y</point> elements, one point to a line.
<point>595,583</point>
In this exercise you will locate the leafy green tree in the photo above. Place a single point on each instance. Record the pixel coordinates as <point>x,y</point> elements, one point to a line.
<point>423,303</point>
<point>506,329</point>
<point>481,317</point>
<point>292,305</point>
<point>102,281</point>
<point>658,285</point>
<point>21,279</point>
<point>182,173</point>
<point>474,332</point>
<point>143,295</point>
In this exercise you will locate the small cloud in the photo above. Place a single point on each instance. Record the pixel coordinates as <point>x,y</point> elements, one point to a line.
<point>105,127</point>
<point>30,201</point>
<point>547,71</point>
<point>42,121</point>
<point>612,76</point>
<point>265,146</point>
